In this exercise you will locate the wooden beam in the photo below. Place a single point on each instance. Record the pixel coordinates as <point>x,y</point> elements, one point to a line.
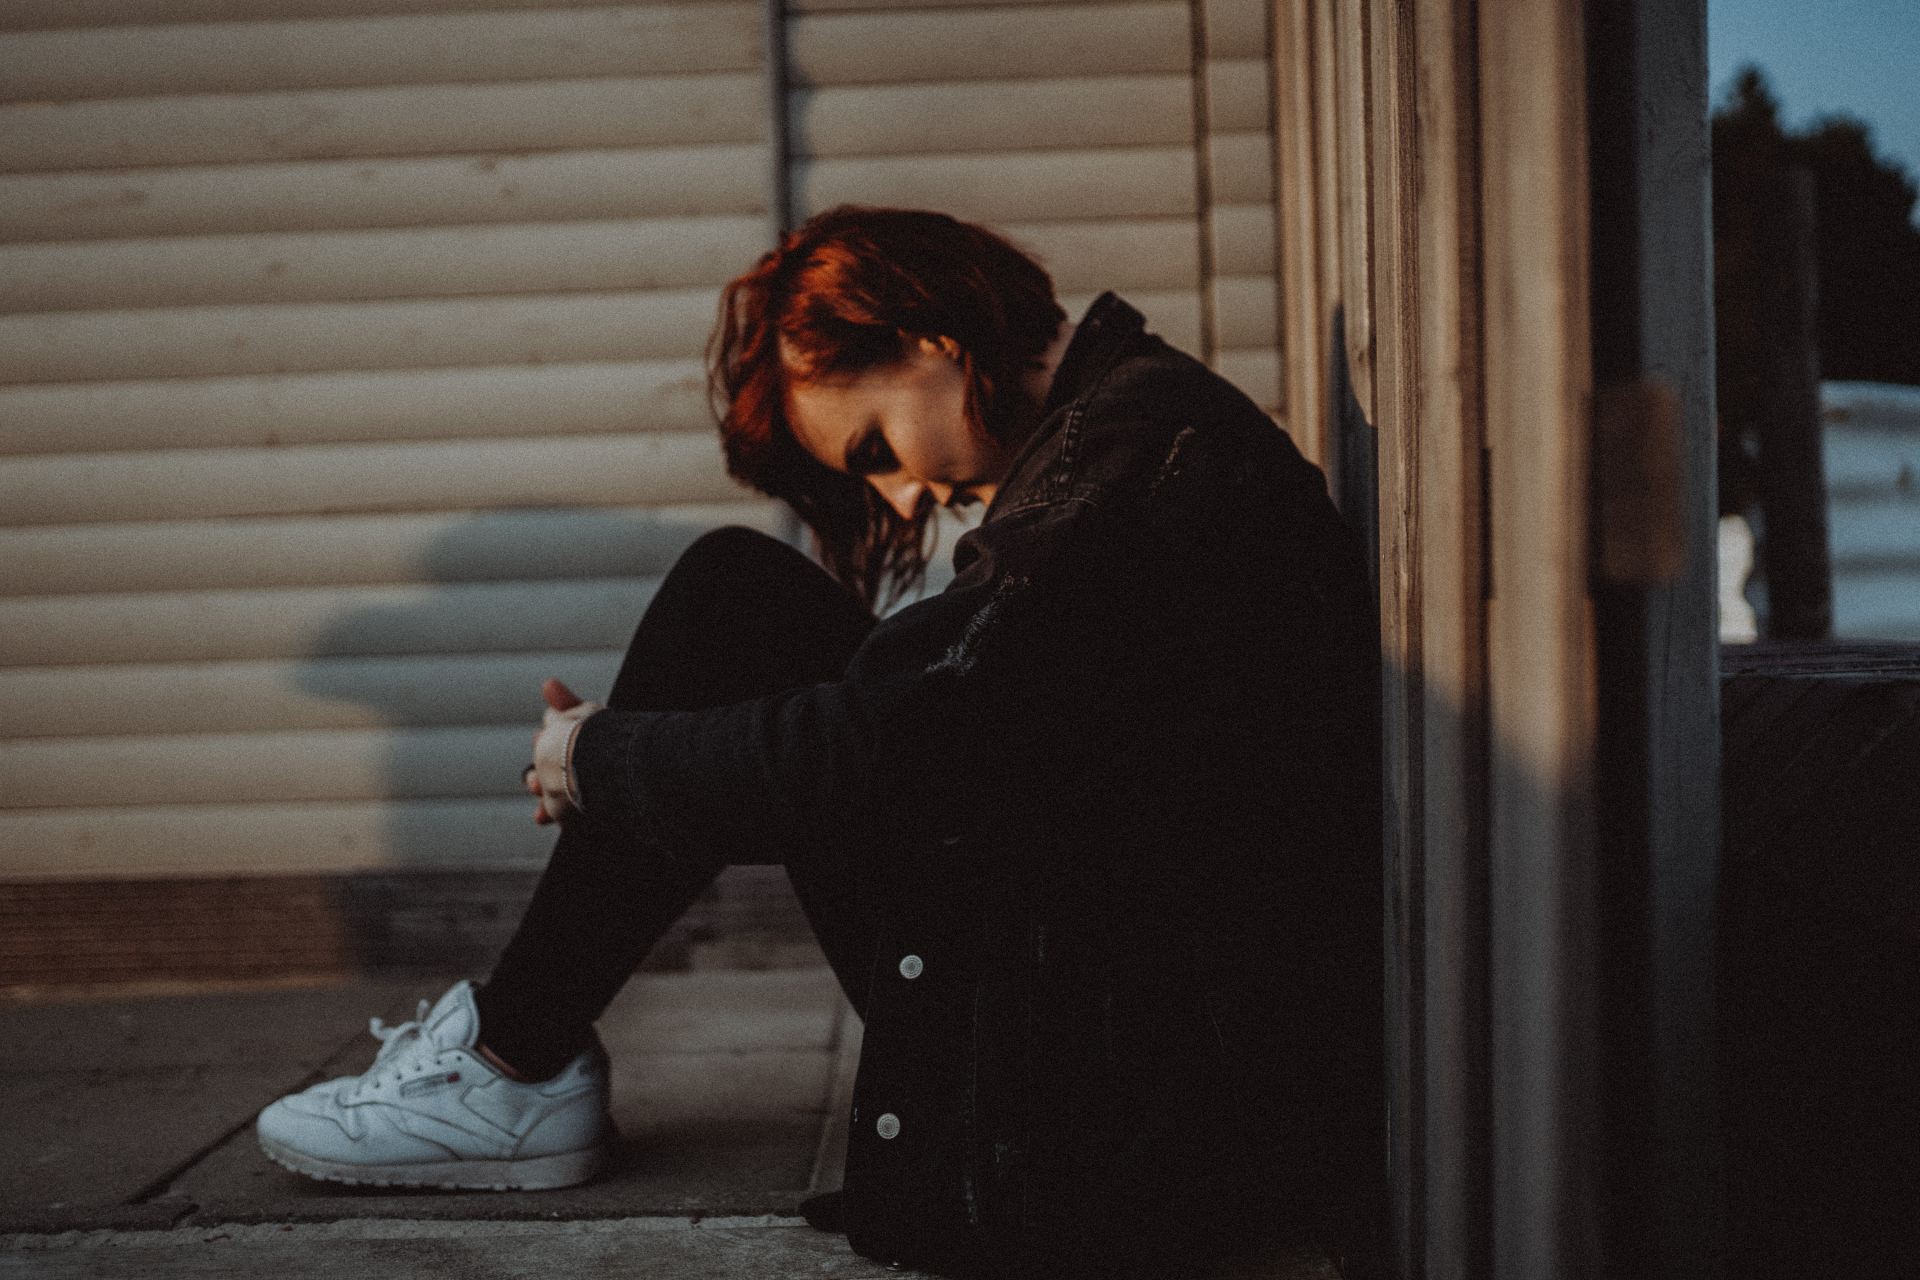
<point>1298,227</point>
<point>1424,216</point>
<point>1540,636</point>
<point>1657,640</point>
<point>1447,489</point>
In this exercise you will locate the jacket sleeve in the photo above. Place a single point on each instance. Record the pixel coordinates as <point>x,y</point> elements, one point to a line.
<point>951,704</point>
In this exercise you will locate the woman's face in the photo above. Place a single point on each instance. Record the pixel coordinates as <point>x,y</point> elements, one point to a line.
<point>903,428</point>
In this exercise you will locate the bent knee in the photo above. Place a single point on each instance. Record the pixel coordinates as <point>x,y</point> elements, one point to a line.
<point>733,545</point>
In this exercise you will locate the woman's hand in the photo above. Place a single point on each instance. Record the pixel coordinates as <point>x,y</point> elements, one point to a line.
<point>551,775</point>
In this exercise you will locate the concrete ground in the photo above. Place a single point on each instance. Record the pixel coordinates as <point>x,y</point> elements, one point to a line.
<point>127,1148</point>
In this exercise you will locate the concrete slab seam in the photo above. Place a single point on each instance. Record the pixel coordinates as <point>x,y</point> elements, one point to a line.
<point>158,1187</point>
<point>388,1229</point>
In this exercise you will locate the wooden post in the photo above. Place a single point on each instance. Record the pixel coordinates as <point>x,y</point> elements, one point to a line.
<point>1529,243</point>
<point>1299,231</point>
<point>1658,766</point>
<point>1542,712</point>
<point>1425,271</point>
<point>1792,475</point>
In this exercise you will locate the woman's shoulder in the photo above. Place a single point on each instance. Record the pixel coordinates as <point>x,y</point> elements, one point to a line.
<point>1160,415</point>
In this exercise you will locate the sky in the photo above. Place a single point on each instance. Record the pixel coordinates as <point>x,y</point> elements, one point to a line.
<point>1857,57</point>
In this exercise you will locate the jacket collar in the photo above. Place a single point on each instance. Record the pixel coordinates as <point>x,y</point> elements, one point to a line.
<point>1098,338</point>
<point>1108,325</point>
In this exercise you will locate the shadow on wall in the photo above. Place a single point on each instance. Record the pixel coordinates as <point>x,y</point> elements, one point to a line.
<point>444,678</point>
<point>446,675</point>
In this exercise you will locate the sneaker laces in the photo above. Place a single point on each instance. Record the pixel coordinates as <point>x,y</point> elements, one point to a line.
<point>401,1046</point>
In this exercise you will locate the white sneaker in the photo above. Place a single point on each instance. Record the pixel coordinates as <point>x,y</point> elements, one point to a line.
<point>431,1112</point>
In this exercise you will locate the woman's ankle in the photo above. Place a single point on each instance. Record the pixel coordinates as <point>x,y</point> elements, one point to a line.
<point>505,1068</point>
<point>534,1049</point>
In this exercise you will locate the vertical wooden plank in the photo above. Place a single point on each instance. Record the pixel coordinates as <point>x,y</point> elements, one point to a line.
<point>1426,325</point>
<point>1353,155</point>
<point>1354,445</point>
<point>1540,636</point>
<point>1326,194</point>
<point>1203,178</point>
<point>1657,651</point>
<point>1297,226</point>
<point>1446,457</point>
<point>1396,280</point>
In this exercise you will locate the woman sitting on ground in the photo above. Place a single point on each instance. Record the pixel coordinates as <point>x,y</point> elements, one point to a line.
<point>1090,838</point>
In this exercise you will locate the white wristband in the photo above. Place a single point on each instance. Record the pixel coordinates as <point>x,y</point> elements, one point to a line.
<point>566,763</point>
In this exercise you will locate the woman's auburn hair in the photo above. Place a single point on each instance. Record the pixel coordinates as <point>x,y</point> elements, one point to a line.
<point>846,292</point>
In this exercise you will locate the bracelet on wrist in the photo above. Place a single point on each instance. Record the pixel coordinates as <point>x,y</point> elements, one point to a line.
<point>567,777</point>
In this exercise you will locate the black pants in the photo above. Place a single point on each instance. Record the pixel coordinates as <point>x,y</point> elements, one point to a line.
<point>740,615</point>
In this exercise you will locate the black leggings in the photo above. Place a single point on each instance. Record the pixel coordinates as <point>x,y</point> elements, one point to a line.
<point>740,615</point>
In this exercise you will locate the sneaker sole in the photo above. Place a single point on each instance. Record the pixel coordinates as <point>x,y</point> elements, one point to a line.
<point>541,1173</point>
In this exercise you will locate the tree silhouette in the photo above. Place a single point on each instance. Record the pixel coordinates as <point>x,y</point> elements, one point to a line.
<point>1866,247</point>
<point>1869,254</point>
<point>1749,149</point>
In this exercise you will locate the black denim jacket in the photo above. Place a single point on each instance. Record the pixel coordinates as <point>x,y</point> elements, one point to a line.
<point>1115,793</point>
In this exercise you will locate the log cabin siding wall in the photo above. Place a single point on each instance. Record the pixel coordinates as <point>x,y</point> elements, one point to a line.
<point>1128,145</point>
<point>350,352</point>
<point>350,383</point>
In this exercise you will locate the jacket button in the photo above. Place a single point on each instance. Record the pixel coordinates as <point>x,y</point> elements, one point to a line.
<point>911,967</point>
<point>888,1125</point>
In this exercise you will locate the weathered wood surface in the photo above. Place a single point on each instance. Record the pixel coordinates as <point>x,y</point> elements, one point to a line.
<point>1427,390</point>
<point>1542,696</point>
<point>1300,231</point>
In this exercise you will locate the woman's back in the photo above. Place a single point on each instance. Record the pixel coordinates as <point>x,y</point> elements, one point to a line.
<point>1159,1017</point>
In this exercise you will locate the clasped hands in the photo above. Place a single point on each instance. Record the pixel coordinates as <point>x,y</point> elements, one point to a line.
<point>550,776</point>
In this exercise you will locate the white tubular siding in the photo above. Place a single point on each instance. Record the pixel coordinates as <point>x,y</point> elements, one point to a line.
<point>1129,145</point>
<point>350,359</point>
<point>1243,289</point>
<point>1070,128</point>
<point>350,383</point>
